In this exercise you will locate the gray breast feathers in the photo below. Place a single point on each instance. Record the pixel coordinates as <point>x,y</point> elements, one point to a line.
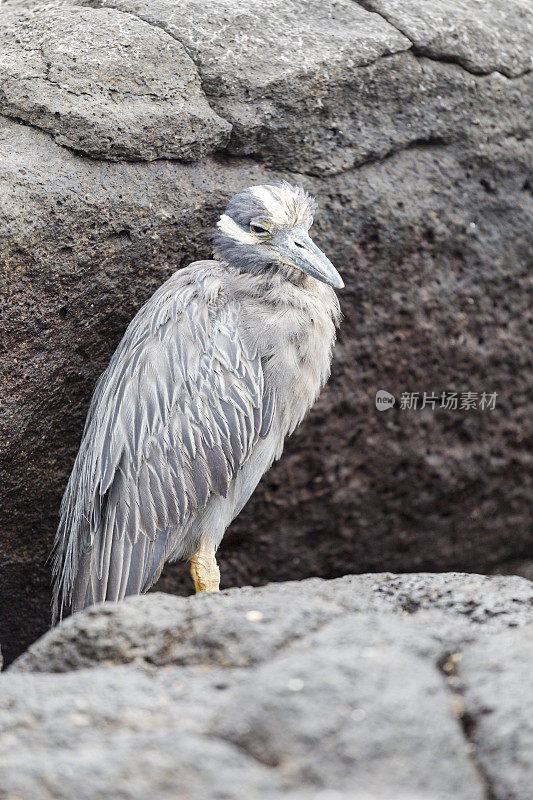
<point>172,420</point>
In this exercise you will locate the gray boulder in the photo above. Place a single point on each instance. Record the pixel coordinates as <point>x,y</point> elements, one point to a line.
<point>322,87</point>
<point>243,627</point>
<point>482,37</point>
<point>105,84</point>
<point>432,234</point>
<point>371,687</point>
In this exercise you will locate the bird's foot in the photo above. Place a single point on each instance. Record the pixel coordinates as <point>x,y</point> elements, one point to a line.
<point>204,570</point>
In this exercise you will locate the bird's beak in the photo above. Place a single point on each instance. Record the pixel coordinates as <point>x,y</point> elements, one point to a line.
<point>299,250</point>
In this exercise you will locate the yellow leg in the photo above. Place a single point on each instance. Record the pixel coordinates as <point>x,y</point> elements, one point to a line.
<point>204,569</point>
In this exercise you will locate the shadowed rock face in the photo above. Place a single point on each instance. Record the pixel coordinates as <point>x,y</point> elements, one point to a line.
<point>367,687</point>
<point>421,171</point>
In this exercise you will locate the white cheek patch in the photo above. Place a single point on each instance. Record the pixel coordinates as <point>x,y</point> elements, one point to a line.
<point>274,205</point>
<point>229,227</point>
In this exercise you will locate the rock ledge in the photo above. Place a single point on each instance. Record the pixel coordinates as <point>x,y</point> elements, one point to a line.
<point>370,686</point>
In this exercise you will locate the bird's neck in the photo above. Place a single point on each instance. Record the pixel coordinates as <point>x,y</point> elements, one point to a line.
<point>283,288</point>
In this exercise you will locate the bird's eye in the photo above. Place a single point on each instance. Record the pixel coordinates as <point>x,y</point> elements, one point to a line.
<point>259,230</point>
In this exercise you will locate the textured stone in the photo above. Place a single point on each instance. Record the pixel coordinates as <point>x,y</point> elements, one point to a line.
<point>120,734</point>
<point>106,84</point>
<point>307,87</point>
<point>379,706</point>
<point>481,36</point>
<point>434,241</point>
<point>372,687</point>
<point>249,626</point>
<point>494,678</point>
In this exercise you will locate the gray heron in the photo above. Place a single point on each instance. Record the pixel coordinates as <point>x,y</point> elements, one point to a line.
<point>215,370</point>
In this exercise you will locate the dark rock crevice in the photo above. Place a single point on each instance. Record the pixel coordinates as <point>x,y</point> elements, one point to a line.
<point>447,665</point>
<point>424,52</point>
<point>416,144</point>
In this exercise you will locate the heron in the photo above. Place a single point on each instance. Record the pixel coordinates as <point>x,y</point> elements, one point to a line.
<point>213,373</point>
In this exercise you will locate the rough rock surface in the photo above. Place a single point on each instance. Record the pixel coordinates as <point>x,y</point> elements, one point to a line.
<point>497,712</point>
<point>320,87</point>
<point>208,629</point>
<point>481,36</point>
<point>368,687</point>
<point>105,84</point>
<point>432,234</point>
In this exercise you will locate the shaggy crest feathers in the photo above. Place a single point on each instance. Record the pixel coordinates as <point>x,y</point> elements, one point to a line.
<point>286,204</point>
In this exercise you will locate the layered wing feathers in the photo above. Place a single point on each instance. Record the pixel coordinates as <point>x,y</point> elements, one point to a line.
<point>172,420</point>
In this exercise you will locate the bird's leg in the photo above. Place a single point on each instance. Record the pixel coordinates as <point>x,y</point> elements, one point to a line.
<point>204,569</point>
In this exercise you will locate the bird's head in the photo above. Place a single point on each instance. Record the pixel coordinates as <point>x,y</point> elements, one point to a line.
<point>268,226</point>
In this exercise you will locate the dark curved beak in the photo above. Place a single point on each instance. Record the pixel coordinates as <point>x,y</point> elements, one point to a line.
<point>298,249</point>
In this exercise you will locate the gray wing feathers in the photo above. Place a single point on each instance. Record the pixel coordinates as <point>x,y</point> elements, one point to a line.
<point>172,420</point>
